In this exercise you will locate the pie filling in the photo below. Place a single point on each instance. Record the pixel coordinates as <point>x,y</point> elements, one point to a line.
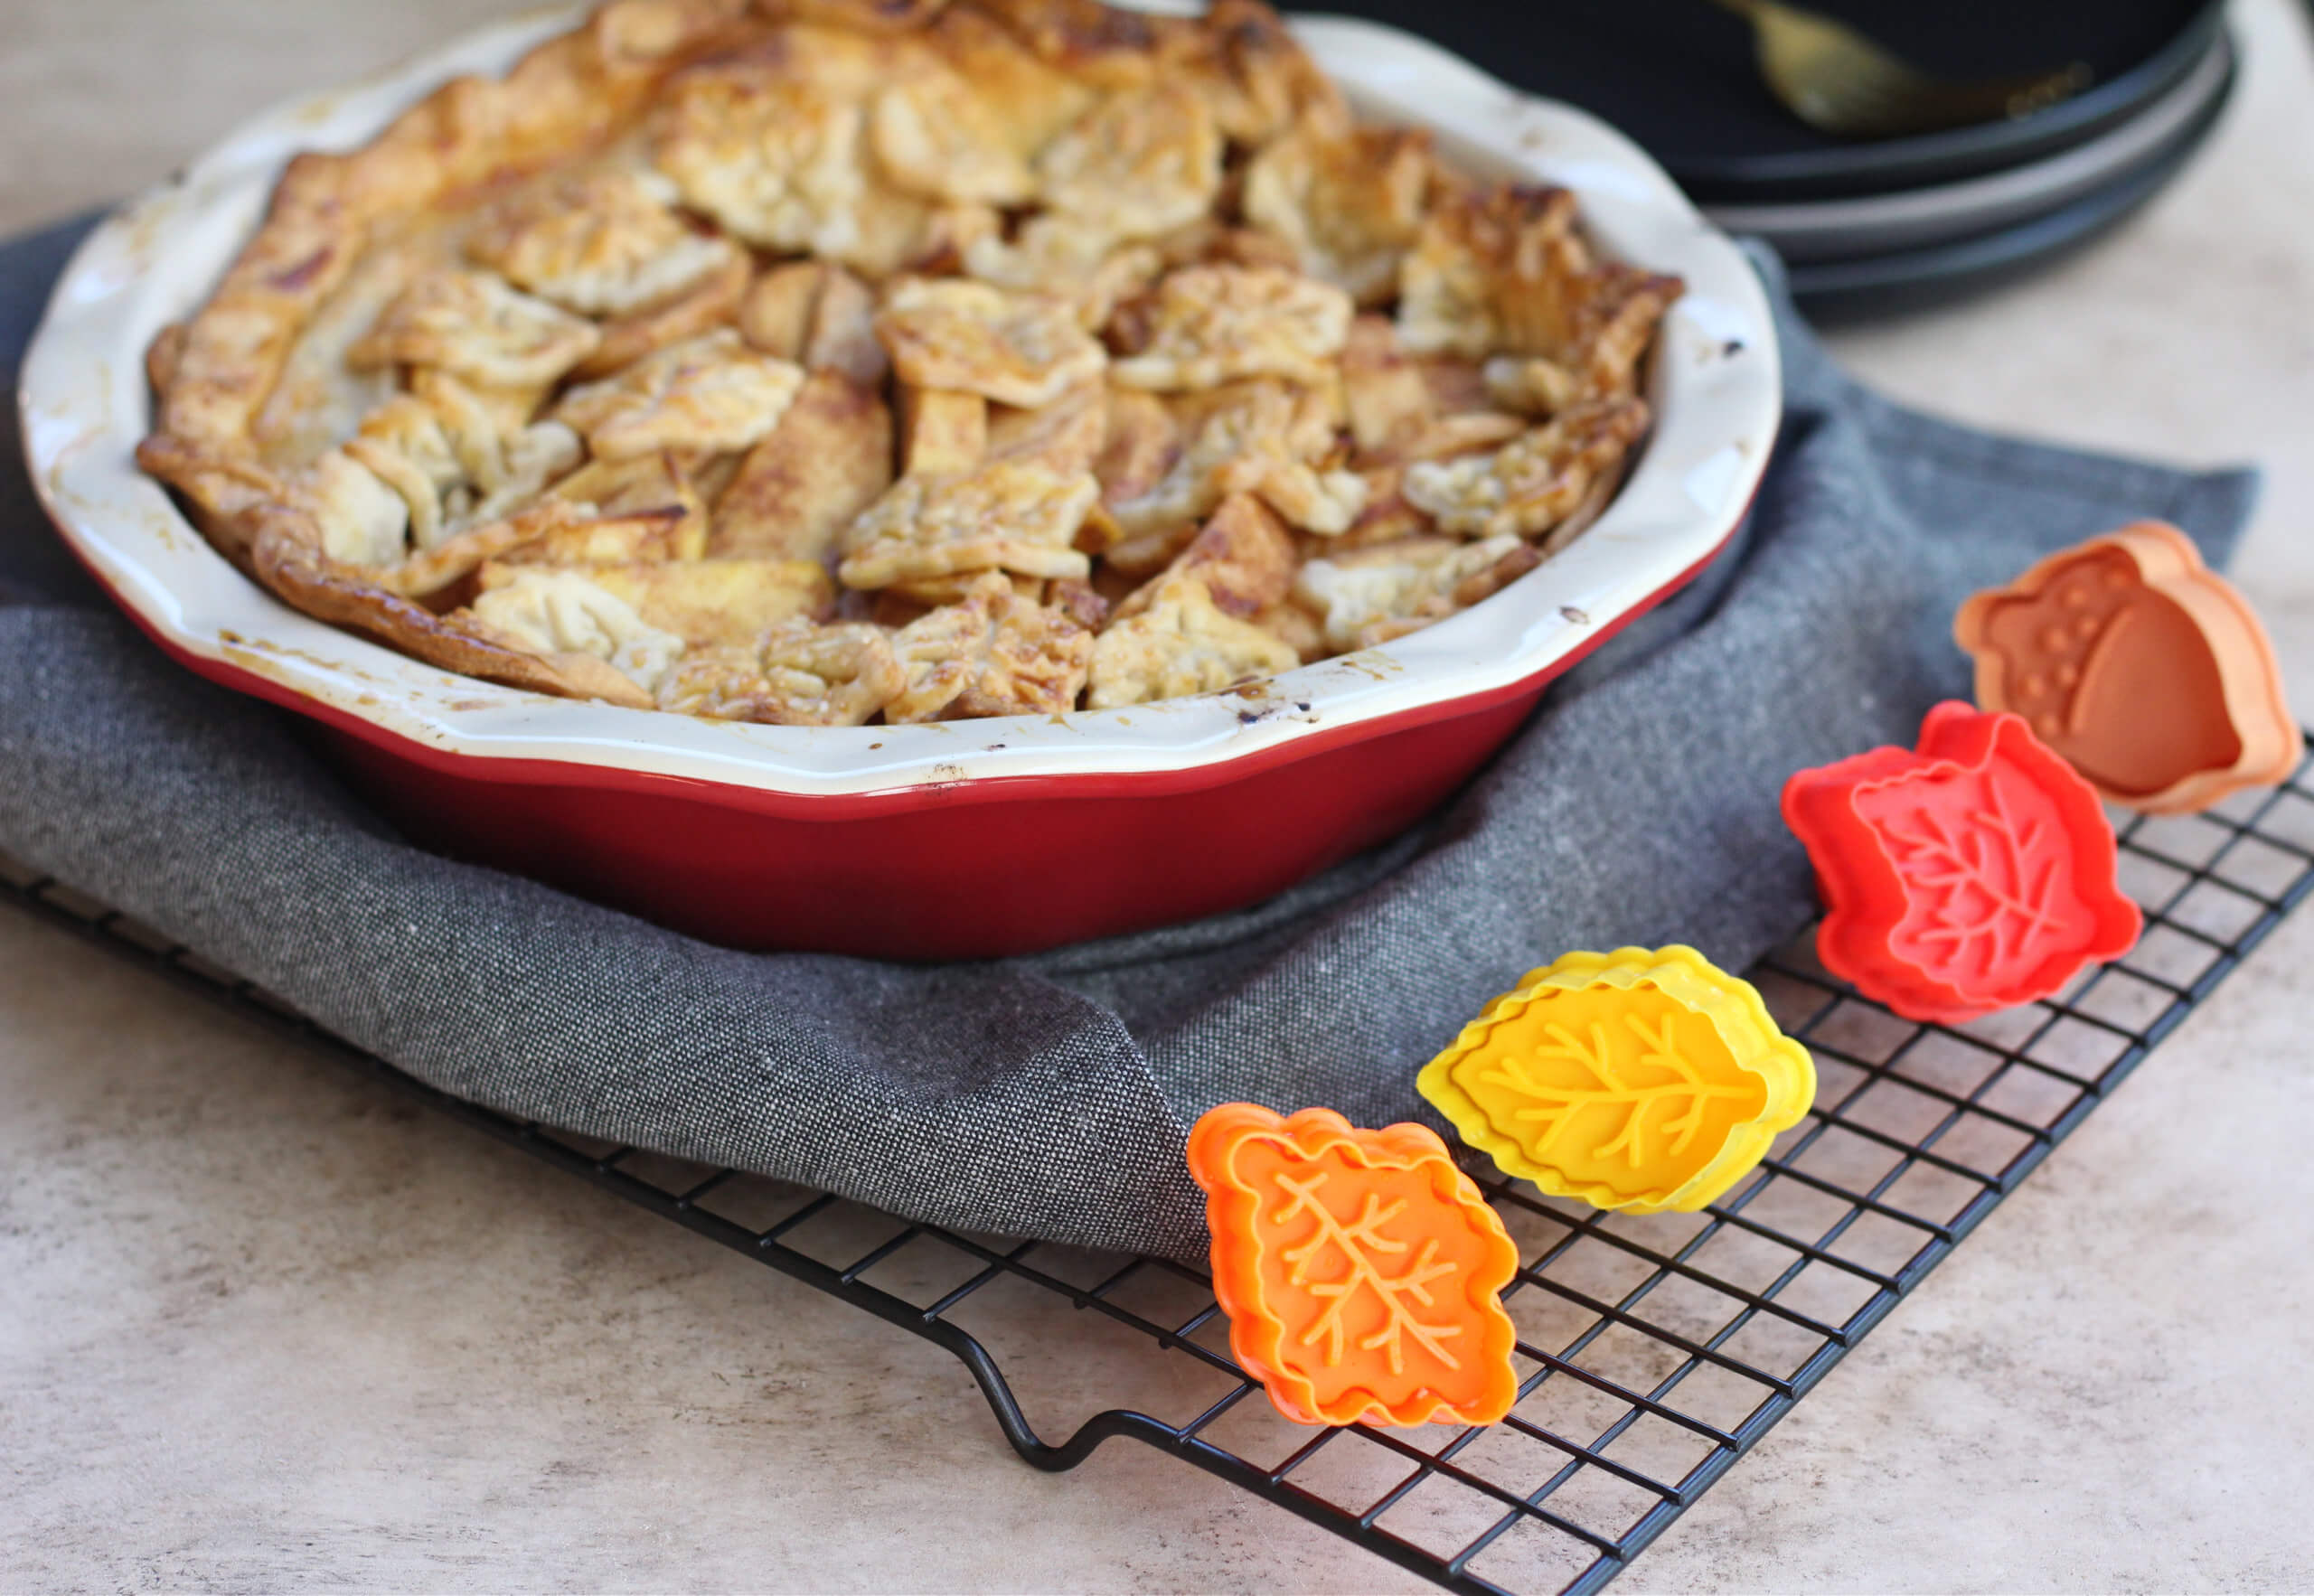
<point>830,361</point>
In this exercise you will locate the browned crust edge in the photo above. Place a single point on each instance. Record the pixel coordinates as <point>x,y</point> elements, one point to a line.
<point>212,374</point>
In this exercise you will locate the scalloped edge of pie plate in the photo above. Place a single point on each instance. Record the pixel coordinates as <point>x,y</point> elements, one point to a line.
<point>1716,384</point>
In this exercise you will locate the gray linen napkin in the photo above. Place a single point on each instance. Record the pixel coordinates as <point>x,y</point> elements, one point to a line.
<point>1050,1096</point>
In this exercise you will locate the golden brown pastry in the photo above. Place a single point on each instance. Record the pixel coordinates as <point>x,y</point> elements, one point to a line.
<point>814,362</point>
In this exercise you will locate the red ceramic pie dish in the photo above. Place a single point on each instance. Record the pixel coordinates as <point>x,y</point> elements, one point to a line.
<point>952,839</point>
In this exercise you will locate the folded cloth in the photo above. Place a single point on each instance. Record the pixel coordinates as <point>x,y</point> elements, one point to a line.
<point>1050,1096</point>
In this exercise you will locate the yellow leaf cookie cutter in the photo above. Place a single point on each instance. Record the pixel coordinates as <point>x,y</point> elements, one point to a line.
<point>1643,1080</point>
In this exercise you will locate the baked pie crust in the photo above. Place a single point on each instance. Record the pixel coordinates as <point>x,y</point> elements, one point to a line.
<point>817,361</point>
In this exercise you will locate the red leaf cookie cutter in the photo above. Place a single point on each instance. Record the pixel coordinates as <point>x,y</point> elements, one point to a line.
<point>1362,1270</point>
<point>1971,874</point>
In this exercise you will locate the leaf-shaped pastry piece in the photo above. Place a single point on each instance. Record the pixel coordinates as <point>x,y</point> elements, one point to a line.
<point>798,672</point>
<point>1641,1080</point>
<point>2149,672</point>
<point>990,652</point>
<point>597,242</point>
<point>1212,325</point>
<point>1137,164</point>
<point>1971,873</point>
<point>1179,642</point>
<point>1349,203</point>
<point>477,327</point>
<point>1016,349</point>
<point>1361,1270</point>
<point>711,393</point>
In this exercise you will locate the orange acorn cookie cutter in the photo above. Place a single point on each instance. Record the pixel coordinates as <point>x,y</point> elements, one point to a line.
<point>1643,1079</point>
<point>2147,671</point>
<point>1971,874</point>
<point>1362,1270</point>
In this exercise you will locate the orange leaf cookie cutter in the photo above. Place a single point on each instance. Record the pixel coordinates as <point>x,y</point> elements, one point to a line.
<point>1642,1080</point>
<point>1971,873</point>
<point>2147,671</point>
<point>1362,1270</point>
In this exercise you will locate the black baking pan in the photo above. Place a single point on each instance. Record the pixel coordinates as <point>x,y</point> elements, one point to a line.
<point>1845,291</point>
<point>1679,76</point>
<point>1947,212</point>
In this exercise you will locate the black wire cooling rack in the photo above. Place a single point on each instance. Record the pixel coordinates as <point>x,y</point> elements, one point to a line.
<point>1654,1351</point>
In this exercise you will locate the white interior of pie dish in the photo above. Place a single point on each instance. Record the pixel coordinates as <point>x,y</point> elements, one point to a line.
<point>1715,385</point>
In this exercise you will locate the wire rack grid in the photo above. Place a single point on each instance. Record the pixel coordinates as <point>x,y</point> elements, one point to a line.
<point>1654,1350</point>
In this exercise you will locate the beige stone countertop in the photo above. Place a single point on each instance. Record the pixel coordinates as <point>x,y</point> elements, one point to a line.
<point>268,1326</point>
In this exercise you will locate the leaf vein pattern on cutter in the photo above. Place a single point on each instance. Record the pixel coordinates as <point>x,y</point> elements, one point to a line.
<point>1985,903</point>
<point>1356,1243</point>
<point>1557,1105</point>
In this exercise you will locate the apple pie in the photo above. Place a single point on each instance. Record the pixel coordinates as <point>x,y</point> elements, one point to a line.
<point>830,361</point>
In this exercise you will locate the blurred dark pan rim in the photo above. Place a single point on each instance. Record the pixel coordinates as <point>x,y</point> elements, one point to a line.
<point>1849,170</point>
<point>1918,279</point>
<point>1917,219</point>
